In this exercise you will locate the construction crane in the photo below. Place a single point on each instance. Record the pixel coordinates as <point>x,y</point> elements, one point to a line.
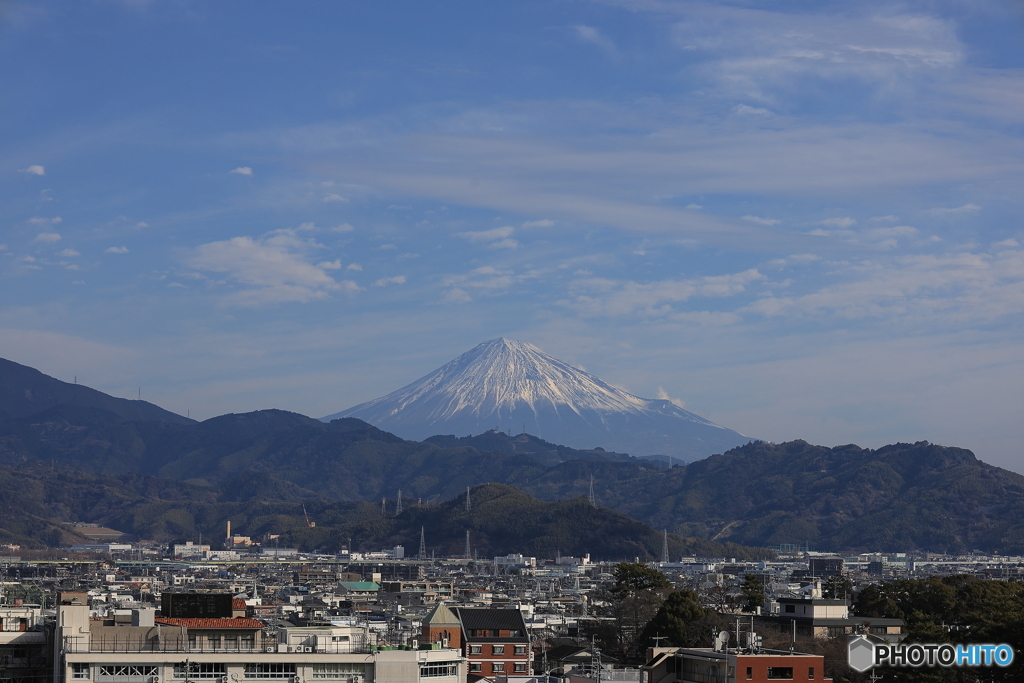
<point>306,515</point>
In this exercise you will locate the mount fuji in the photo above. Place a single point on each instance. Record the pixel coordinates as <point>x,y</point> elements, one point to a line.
<point>505,384</point>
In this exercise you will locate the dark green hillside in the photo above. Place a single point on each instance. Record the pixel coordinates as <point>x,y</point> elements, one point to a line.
<point>526,444</point>
<point>505,520</point>
<point>903,496</point>
<point>26,391</point>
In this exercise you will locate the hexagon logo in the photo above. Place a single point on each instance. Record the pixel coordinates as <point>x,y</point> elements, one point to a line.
<point>861,654</point>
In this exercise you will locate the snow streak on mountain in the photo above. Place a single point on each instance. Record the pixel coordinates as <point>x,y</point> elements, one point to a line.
<point>507,385</point>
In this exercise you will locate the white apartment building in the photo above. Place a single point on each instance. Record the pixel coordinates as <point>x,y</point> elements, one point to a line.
<point>231,650</point>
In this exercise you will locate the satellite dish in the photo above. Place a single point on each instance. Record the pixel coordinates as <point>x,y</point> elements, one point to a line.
<point>722,641</point>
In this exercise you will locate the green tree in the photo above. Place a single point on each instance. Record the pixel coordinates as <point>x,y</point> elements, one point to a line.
<point>753,592</point>
<point>836,588</point>
<point>682,621</point>
<point>635,597</point>
<point>633,577</point>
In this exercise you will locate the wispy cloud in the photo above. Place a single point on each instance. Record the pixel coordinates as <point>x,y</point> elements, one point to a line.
<point>271,270</point>
<point>839,222</point>
<point>39,220</point>
<point>242,170</point>
<point>116,250</point>
<point>35,169</point>
<point>69,253</point>
<point>762,221</point>
<point>385,281</point>
<point>47,237</point>
<point>589,34</point>
<point>496,238</point>
<point>966,208</point>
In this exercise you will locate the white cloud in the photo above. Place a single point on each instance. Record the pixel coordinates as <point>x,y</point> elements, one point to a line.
<point>589,34</point>
<point>177,284</point>
<point>69,253</point>
<point>344,227</point>
<point>504,244</point>
<point>492,235</point>
<point>797,259</point>
<point>966,208</point>
<point>47,237</point>
<point>839,222</point>
<point>1007,243</point>
<point>3,247</point>
<point>273,269</point>
<point>306,227</point>
<point>885,219</point>
<point>762,221</point>
<point>385,281</point>
<point>457,296</point>
<point>694,206</point>
<point>895,231</point>
<point>746,109</point>
<point>330,265</point>
<point>385,247</point>
<point>353,266</point>
<point>116,250</point>
<point>601,297</point>
<point>335,197</point>
<point>39,220</point>
<point>142,224</point>
<point>543,223</point>
<point>242,170</point>
<point>678,402</point>
<point>35,169</point>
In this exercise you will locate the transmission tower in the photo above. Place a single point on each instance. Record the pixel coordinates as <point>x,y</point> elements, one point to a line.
<point>423,545</point>
<point>398,505</point>
<point>664,547</point>
<point>383,506</point>
<point>467,500</point>
<point>591,497</point>
<point>469,555</point>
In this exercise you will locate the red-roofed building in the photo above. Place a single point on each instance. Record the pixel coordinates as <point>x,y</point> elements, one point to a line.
<point>238,607</point>
<point>220,634</point>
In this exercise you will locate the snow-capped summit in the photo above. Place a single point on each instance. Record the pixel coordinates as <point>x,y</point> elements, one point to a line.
<point>509,384</point>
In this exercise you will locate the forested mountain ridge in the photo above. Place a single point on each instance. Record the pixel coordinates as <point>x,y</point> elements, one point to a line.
<point>899,497</point>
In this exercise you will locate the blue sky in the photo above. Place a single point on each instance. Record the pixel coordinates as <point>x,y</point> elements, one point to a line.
<point>803,220</point>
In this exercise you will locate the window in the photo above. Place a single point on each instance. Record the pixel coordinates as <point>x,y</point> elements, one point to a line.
<point>80,671</point>
<point>338,671</point>
<point>498,649</point>
<point>245,642</point>
<point>790,609</point>
<point>780,672</point>
<point>197,670</point>
<point>213,641</point>
<point>520,667</point>
<point>191,640</point>
<point>118,673</point>
<point>498,667</point>
<point>520,649</point>
<point>439,669</point>
<point>230,641</point>
<point>810,673</point>
<point>474,667</point>
<point>750,673</point>
<point>475,649</point>
<point>269,670</point>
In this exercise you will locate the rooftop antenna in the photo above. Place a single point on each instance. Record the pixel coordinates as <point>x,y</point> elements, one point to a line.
<point>398,505</point>
<point>664,547</point>
<point>467,499</point>
<point>591,497</point>
<point>423,545</point>
<point>469,556</point>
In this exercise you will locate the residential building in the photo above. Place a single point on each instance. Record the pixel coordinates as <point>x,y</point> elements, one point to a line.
<point>708,665</point>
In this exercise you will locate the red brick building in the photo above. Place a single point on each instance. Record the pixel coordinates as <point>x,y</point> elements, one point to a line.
<point>681,665</point>
<point>495,641</point>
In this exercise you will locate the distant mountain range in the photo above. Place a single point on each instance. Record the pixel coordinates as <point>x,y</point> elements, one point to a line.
<point>260,465</point>
<point>512,385</point>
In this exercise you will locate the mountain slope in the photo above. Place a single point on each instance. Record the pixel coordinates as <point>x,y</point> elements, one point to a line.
<point>511,384</point>
<point>26,391</point>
